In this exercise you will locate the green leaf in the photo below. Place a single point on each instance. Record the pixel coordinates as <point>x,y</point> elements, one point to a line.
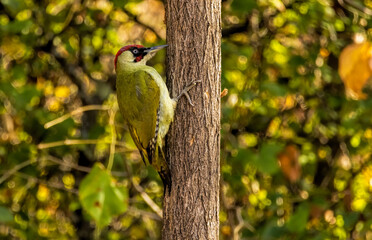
<point>14,6</point>
<point>6,215</point>
<point>101,197</point>
<point>267,161</point>
<point>243,5</point>
<point>17,26</point>
<point>297,222</point>
<point>122,3</point>
<point>350,219</point>
<point>272,231</point>
<point>274,88</point>
<point>119,3</point>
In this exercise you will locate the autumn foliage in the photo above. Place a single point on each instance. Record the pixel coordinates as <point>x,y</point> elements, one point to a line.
<point>355,68</point>
<point>296,125</point>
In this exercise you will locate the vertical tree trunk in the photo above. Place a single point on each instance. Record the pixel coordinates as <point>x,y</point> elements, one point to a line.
<point>193,146</point>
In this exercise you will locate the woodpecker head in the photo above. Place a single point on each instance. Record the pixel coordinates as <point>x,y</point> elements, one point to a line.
<point>136,53</point>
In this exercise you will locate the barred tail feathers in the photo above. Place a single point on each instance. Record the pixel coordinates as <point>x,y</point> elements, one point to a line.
<point>157,160</point>
<point>164,171</point>
<point>157,156</point>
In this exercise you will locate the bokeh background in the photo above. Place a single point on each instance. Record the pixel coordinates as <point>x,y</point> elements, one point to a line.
<point>296,121</point>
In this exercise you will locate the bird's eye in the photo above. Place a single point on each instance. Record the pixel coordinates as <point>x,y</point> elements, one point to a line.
<point>135,51</point>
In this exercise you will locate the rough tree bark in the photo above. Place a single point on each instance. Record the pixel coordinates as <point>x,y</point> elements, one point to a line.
<point>193,145</point>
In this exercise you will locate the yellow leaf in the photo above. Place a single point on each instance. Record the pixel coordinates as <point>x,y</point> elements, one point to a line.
<point>354,68</point>
<point>324,52</point>
<point>62,92</point>
<point>68,181</point>
<point>287,102</point>
<point>226,230</point>
<point>42,193</point>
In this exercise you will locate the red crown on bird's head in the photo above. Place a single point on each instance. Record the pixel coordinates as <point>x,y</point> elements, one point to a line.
<point>123,49</point>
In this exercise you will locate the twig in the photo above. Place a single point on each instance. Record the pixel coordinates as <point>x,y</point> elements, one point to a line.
<point>74,142</point>
<point>77,111</point>
<point>143,194</point>
<point>80,168</point>
<point>47,183</point>
<point>237,228</point>
<point>232,213</point>
<point>112,114</point>
<point>363,9</point>
<point>241,224</point>
<point>135,211</point>
<point>69,165</point>
<point>148,200</point>
<point>238,28</point>
<point>15,169</point>
<point>149,228</point>
<point>367,12</point>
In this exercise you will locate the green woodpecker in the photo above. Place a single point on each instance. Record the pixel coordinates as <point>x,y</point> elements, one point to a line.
<point>145,104</point>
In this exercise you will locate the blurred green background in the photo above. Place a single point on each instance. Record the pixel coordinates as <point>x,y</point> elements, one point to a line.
<point>295,157</point>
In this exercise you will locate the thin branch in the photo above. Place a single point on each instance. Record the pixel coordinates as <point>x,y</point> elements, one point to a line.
<point>360,7</point>
<point>148,200</point>
<point>351,5</point>
<point>241,224</point>
<point>135,211</point>
<point>149,227</point>
<point>75,112</point>
<point>15,169</point>
<point>238,227</point>
<point>238,28</point>
<point>47,183</point>
<point>67,164</point>
<point>68,142</point>
<point>143,194</point>
<point>112,114</point>
<point>80,168</point>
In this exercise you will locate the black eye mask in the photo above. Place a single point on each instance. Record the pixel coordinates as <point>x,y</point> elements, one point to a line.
<point>138,53</point>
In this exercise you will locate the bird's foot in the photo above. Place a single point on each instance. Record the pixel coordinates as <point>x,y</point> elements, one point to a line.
<point>186,90</point>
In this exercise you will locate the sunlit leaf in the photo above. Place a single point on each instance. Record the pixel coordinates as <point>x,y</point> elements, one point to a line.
<point>101,197</point>
<point>278,4</point>
<point>62,91</point>
<point>288,134</point>
<point>43,193</point>
<point>355,68</point>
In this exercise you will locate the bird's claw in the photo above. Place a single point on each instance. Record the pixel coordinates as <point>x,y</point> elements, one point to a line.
<point>188,98</point>
<point>186,90</point>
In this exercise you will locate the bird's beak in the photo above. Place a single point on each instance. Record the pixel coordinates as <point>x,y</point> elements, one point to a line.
<point>155,49</point>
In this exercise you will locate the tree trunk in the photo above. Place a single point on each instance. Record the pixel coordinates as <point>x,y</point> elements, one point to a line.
<point>191,208</point>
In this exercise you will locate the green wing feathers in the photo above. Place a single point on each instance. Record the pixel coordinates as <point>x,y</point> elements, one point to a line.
<point>137,141</point>
<point>139,101</point>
